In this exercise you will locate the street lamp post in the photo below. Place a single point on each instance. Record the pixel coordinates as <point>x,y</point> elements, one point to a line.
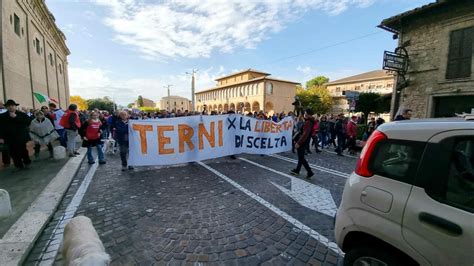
<point>168,102</point>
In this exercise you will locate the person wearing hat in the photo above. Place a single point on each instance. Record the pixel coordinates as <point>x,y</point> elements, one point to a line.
<point>14,133</point>
<point>302,143</point>
<point>71,123</point>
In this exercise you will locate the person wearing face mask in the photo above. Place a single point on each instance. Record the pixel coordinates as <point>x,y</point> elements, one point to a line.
<point>90,132</point>
<point>42,132</point>
<point>14,133</point>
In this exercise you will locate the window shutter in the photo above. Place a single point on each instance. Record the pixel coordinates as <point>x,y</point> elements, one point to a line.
<point>460,53</point>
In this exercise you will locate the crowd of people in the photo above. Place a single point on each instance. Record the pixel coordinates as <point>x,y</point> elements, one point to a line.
<point>50,124</point>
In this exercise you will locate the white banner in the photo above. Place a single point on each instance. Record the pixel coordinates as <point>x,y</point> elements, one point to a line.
<point>197,138</point>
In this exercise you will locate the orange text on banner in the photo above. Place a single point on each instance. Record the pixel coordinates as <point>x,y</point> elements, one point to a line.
<point>142,129</point>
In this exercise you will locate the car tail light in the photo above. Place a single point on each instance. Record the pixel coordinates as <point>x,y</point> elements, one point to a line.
<point>362,167</point>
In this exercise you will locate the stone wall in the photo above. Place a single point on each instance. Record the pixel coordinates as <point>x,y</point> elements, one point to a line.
<point>26,63</point>
<point>428,43</point>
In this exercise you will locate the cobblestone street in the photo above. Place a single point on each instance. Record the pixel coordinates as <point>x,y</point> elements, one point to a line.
<point>246,211</point>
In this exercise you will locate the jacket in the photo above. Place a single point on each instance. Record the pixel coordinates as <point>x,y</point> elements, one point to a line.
<point>121,132</point>
<point>70,120</point>
<point>306,131</point>
<point>14,130</point>
<point>351,129</point>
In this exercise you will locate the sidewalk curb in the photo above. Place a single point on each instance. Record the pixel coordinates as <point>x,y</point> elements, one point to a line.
<point>20,238</point>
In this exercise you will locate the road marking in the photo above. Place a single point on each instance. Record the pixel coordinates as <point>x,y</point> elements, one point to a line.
<point>317,236</point>
<point>316,167</point>
<point>71,209</point>
<point>306,194</point>
<point>345,155</point>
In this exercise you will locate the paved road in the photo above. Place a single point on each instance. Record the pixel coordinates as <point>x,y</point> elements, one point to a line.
<point>247,211</point>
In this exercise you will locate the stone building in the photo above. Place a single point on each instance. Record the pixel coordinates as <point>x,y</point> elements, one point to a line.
<point>248,91</point>
<point>439,40</point>
<point>33,54</point>
<point>377,81</point>
<point>146,103</point>
<point>174,103</point>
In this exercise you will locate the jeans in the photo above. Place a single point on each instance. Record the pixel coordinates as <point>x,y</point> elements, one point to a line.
<point>302,161</point>
<point>71,141</point>
<point>323,137</point>
<point>100,153</point>
<point>124,153</point>
<point>62,137</point>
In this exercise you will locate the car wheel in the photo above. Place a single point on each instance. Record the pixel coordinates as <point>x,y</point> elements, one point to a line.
<point>373,256</point>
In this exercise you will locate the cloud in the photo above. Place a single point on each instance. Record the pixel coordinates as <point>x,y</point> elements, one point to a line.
<point>97,82</point>
<point>196,28</point>
<point>74,29</point>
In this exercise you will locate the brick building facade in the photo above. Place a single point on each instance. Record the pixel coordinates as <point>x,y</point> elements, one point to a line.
<point>439,40</point>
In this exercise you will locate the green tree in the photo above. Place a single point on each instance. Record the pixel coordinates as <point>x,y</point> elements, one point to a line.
<point>317,81</point>
<point>130,105</point>
<point>140,101</point>
<point>104,103</point>
<point>372,102</point>
<point>317,98</point>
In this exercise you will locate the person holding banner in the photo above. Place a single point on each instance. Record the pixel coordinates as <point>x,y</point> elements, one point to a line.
<point>121,136</point>
<point>302,143</point>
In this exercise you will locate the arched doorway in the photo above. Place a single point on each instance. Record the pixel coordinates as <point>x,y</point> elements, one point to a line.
<point>226,108</point>
<point>232,107</point>
<point>255,106</point>
<point>219,108</point>
<point>269,108</point>
<point>215,108</point>
<point>247,107</point>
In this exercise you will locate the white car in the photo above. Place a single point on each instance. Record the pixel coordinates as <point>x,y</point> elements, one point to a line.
<point>410,200</point>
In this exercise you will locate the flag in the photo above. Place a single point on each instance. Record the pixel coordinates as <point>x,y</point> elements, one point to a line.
<point>43,98</point>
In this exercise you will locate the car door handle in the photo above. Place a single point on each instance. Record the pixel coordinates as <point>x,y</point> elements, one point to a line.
<point>441,223</point>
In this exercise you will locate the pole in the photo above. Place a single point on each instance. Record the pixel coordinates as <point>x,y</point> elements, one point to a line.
<point>168,87</point>
<point>193,87</point>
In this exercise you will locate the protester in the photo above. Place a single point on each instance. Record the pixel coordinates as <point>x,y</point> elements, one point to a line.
<point>14,133</point>
<point>56,114</point>
<point>297,131</point>
<point>42,132</point>
<point>340,133</point>
<point>352,135</point>
<point>71,123</point>
<point>404,114</point>
<point>301,145</point>
<point>315,135</point>
<point>91,132</point>
<point>332,131</point>
<point>370,128</point>
<point>323,131</point>
<point>379,122</point>
<point>121,133</point>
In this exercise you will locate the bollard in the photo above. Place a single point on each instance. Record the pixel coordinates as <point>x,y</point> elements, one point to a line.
<point>5,204</point>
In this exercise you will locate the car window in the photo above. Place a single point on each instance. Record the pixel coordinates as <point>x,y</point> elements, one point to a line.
<point>397,160</point>
<point>460,184</point>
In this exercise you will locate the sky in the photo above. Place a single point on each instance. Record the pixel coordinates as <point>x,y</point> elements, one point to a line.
<point>126,48</point>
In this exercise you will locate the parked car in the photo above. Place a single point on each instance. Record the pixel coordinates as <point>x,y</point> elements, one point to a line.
<point>410,200</point>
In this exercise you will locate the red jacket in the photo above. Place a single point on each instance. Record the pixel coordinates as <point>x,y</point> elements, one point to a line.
<point>64,122</point>
<point>351,129</point>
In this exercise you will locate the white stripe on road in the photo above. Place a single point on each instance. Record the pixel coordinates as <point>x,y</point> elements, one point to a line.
<point>317,236</point>
<point>71,209</point>
<point>316,167</point>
